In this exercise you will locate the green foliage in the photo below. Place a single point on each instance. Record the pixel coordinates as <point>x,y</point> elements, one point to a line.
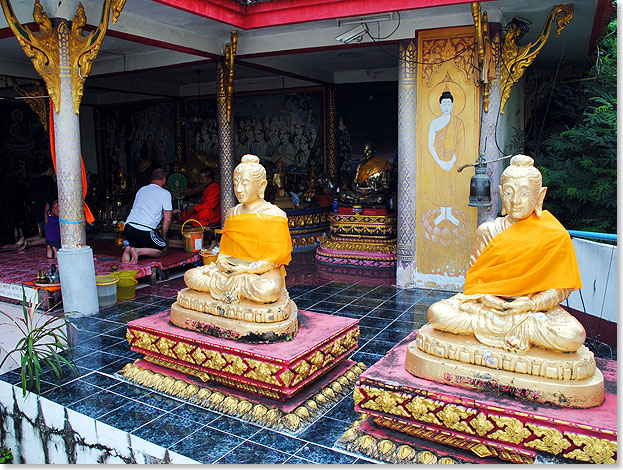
<point>6,456</point>
<point>577,150</point>
<point>43,345</point>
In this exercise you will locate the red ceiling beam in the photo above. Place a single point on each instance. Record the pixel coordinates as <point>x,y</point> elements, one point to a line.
<point>286,12</point>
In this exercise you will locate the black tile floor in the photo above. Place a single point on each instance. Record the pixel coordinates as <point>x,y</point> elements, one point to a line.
<point>386,315</point>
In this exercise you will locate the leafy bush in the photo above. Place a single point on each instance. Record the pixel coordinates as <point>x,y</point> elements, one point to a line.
<point>578,151</point>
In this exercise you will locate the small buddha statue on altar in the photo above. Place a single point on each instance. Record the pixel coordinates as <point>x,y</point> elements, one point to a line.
<point>522,266</point>
<point>245,287</point>
<point>279,180</point>
<point>371,185</point>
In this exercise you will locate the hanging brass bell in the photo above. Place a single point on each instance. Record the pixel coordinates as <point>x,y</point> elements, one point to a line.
<point>480,186</point>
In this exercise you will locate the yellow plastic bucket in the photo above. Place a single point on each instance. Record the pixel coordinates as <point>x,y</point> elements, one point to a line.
<point>106,289</point>
<point>126,288</point>
<point>193,237</point>
<point>126,273</point>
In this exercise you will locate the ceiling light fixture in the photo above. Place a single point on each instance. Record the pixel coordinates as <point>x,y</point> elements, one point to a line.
<point>353,35</point>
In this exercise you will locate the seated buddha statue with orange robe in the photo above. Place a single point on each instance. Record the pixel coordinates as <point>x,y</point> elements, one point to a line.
<point>522,267</point>
<point>507,325</point>
<point>247,281</point>
<point>371,185</point>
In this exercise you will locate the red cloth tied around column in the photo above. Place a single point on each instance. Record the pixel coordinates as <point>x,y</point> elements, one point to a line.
<point>87,212</point>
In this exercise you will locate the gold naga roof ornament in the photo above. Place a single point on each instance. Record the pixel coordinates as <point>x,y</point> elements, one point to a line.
<point>515,58</point>
<point>42,47</point>
<point>84,49</point>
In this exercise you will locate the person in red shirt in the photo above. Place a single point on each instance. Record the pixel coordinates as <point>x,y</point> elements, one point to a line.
<point>208,210</point>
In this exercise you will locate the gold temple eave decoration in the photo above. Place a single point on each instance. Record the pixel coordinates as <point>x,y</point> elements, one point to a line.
<point>35,97</point>
<point>41,46</point>
<point>515,58</point>
<point>483,43</point>
<point>43,49</point>
<point>84,49</point>
<point>230,55</point>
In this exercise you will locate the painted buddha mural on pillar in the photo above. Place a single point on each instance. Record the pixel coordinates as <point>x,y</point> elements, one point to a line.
<point>447,137</point>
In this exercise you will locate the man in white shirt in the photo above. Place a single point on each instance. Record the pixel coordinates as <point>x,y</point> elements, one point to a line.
<point>152,203</point>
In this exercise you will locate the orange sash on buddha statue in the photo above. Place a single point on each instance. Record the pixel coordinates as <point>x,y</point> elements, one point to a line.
<point>372,167</point>
<point>532,255</point>
<point>257,237</point>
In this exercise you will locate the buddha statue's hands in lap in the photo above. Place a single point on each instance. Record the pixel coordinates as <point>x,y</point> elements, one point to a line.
<point>522,267</point>
<point>371,186</point>
<point>254,248</point>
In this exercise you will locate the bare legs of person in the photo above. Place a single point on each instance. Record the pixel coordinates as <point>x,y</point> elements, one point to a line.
<point>125,258</point>
<point>131,254</point>
<point>23,243</point>
<point>52,250</point>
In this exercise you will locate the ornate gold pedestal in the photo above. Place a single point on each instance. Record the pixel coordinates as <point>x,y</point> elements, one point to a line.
<point>244,310</point>
<point>236,328</point>
<point>360,240</point>
<point>561,379</point>
<point>489,424</point>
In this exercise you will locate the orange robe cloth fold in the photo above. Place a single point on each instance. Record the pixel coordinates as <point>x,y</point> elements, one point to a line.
<point>254,237</point>
<point>532,255</point>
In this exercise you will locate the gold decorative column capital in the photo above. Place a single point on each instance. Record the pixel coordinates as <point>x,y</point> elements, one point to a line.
<point>230,55</point>
<point>516,58</point>
<point>483,43</point>
<point>84,49</point>
<point>41,47</point>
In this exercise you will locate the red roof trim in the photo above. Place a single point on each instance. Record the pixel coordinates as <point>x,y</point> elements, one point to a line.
<point>286,12</point>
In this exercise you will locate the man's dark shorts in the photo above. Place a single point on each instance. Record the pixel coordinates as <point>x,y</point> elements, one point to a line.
<point>144,238</point>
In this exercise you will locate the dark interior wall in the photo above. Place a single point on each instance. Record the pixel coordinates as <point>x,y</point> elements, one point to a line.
<point>24,150</point>
<point>367,112</point>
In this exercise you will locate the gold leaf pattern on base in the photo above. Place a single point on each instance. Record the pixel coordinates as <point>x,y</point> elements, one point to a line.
<point>235,406</point>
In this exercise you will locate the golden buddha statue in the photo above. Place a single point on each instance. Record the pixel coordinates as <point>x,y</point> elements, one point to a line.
<point>509,317</point>
<point>371,186</point>
<point>242,295</point>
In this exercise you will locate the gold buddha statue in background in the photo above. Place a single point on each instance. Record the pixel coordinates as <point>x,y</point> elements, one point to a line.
<point>509,317</point>
<point>371,185</point>
<point>243,293</point>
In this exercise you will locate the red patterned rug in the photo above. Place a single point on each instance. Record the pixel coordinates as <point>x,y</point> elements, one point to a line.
<point>21,267</point>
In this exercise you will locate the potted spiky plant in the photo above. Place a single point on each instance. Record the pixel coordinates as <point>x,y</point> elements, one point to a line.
<point>43,342</point>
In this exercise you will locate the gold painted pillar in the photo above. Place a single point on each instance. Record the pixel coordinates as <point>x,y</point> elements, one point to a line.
<point>332,164</point>
<point>226,143</point>
<point>407,113</point>
<point>447,134</point>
